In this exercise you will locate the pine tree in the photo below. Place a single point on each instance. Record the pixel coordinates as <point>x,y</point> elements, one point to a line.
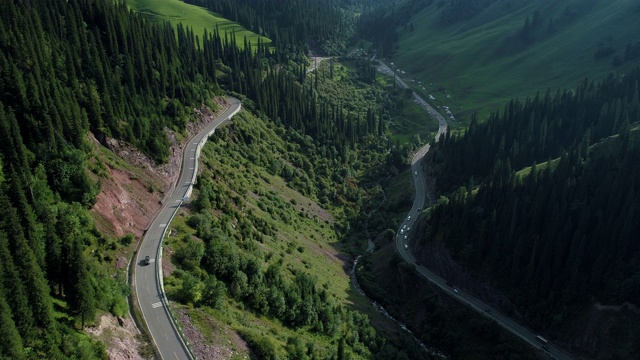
<point>18,301</point>
<point>11,344</point>
<point>83,297</point>
<point>30,272</point>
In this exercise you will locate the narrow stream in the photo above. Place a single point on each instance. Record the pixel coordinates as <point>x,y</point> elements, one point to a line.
<point>379,308</point>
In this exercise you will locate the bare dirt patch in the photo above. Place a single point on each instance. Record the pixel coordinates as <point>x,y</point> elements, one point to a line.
<point>131,196</point>
<point>125,205</point>
<point>120,337</point>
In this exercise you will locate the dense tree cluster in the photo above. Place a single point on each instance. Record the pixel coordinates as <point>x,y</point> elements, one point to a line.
<point>92,65</point>
<point>285,94</point>
<point>538,129</point>
<point>567,229</point>
<point>68,68</point>
<point>292,25</point>
<point>226,257</point>
<point>42,242</point>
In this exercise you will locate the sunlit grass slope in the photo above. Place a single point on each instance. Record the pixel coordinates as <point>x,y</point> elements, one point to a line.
<point>484,62</point>
<point>195,17</point>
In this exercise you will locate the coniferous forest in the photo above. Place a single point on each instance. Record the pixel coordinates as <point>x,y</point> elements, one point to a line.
<point>68,69</point>
<point>544,192</point>
<point>321,23</point>
<point>567,225</point>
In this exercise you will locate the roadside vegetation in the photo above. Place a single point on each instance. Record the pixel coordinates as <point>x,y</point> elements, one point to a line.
<point>434,318</point>
<point>69,76</point>
<point>255,252</point>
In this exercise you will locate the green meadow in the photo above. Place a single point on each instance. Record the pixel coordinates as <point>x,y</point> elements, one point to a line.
<point>481,63</point>
<point>195,17</point>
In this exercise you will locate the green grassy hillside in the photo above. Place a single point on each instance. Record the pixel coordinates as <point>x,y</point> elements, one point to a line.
<point>264,220</point>
<point>488,59</point>
<point>195,17</point>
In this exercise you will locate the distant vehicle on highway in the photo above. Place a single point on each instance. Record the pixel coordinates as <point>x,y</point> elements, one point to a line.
<point>541,339</point>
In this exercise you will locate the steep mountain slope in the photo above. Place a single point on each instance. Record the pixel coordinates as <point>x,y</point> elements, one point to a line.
<point>69,71</point>
<point>195,17</point>
<point>506,49</point>
<point>560,241</point>
<point>75,72</point>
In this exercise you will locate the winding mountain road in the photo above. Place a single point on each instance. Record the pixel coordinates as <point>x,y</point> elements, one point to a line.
<point>403,236</point>
<point>383,68</point>
<point>147,278</point>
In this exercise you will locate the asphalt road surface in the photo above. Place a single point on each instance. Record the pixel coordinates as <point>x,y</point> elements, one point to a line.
<point>383,68</point>
<point>315,61</point>
<point>403,236</point>
<point>147,278</point>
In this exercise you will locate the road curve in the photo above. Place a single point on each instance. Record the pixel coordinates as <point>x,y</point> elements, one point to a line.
<point>147,279</point>
<point>315,61</point>
<point>442,123</point>
<point>403,236</point>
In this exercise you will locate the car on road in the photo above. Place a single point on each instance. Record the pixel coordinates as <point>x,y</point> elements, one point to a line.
<point>488,311</point>
<point>449,283</point>
<point>147,260</point>
<point>405,237</point>
<point>408,217</point>
<point>415,173</point>
<point>456,291</point>
<point>406,246</point>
